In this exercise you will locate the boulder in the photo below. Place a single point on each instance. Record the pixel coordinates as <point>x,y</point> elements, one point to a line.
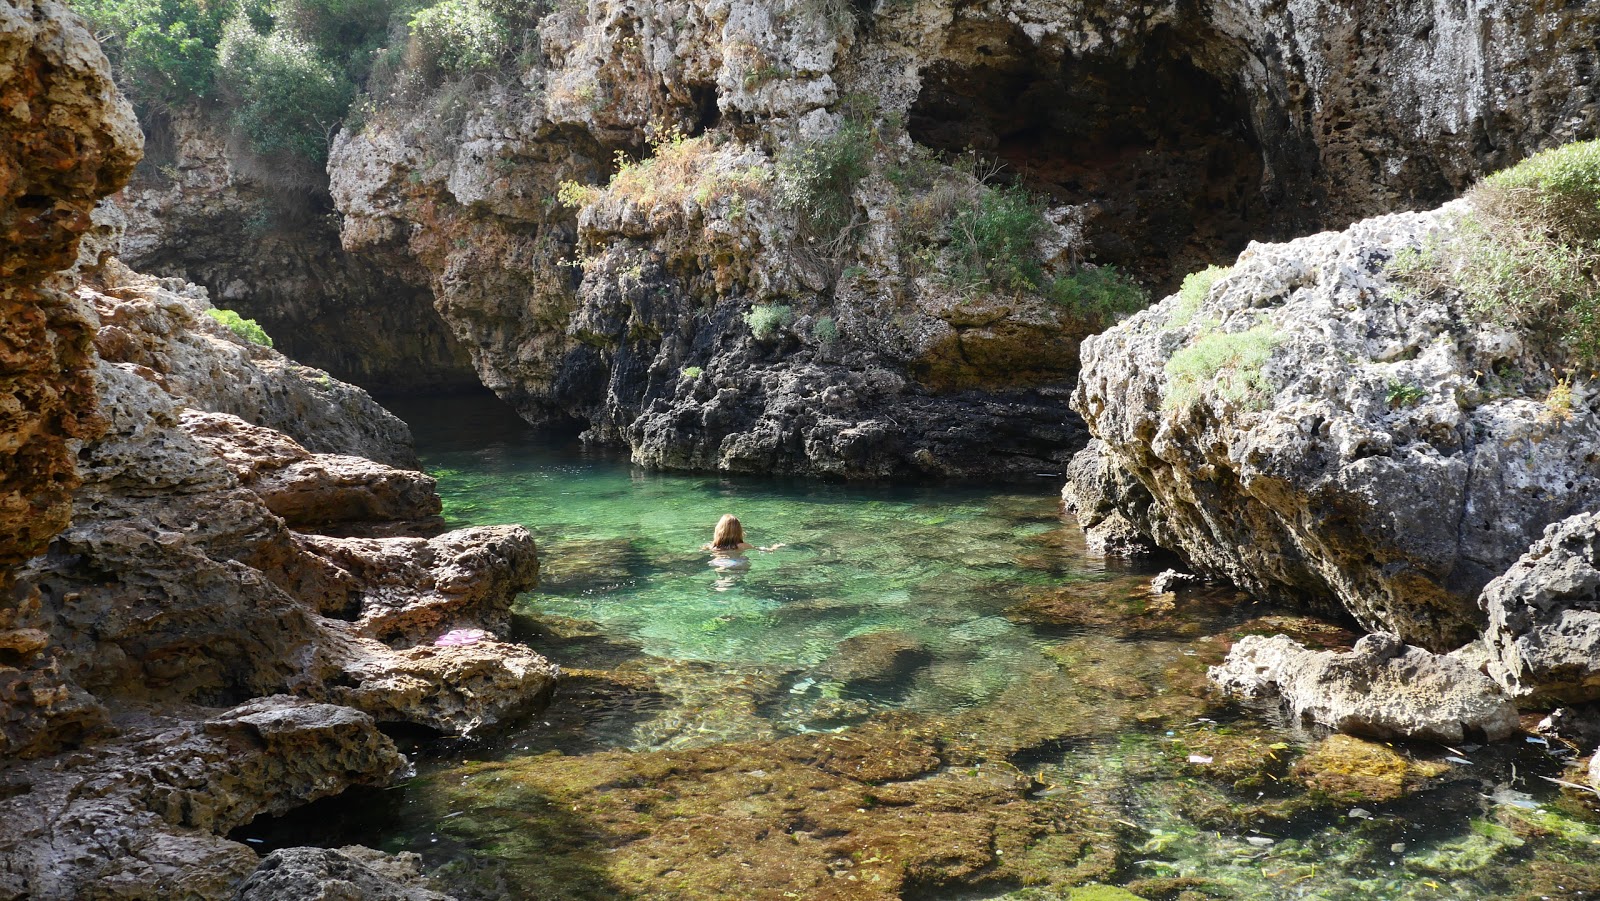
<point>1383,688</point>
<point>315,491</point>
<point>1375,450</point>
<point>141,817</point>
<point>1544,617</point>
<point>351,873</point>
<point>876,661</point>
<point>454,690</point>
<point>417,588</point>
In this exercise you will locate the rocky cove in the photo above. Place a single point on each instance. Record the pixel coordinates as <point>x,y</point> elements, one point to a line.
<point>261,638</point>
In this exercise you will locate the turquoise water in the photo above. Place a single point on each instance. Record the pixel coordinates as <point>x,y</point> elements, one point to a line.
<point>970,616</point>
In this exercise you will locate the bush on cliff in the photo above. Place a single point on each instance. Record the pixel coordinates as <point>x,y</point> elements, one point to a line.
<point>1528,252</point>
<point>289,101</point>
<point>248,329</point>
<point>164,52</point>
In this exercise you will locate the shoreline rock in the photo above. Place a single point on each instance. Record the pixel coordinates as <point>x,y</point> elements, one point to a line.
<point>1544,617</point>
<point>1383,688</point>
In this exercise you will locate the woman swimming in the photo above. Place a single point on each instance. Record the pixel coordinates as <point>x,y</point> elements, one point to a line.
<point>727,544</point>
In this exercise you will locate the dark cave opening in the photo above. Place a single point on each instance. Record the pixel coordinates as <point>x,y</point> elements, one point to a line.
<point>1162,154</point>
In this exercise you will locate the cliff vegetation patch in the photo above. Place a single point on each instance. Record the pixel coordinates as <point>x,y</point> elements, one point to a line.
<point>1225,363</point>
<point>248,329</point>
<point>1528,252</point>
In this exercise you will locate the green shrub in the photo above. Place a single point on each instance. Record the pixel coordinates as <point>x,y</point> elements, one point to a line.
<point>247,329</point>
<point>817,180</point>
<point>994,240</point>
<point>164,51</point>
<point>288,101</point>
<point>1402,394</point>
<point>1228,363</point>
<point>460,36</point>
<point>765,320</point>
<point>825,331</point>
<point>692,372</point>
<point>1193,292</point>
<point>1528,253</point>
<point>1099,293</point>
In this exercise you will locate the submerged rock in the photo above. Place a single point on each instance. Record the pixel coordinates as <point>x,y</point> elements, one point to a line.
<point>1347,769</point>
<point>352,873</point>
<point>1544,617</point>
<point>1382,688</point>
<point>876,661</point>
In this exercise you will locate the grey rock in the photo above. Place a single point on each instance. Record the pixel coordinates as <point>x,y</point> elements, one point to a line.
<point>1544,617</point>
<point>1172,580</point>
<point>1322,489</point>
<point>351,873</point>
<point>1383,688</point>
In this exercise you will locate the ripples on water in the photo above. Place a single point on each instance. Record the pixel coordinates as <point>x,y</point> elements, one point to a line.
<point>968,617</point>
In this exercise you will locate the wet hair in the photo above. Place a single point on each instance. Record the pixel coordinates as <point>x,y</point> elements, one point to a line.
<point>729,533</point>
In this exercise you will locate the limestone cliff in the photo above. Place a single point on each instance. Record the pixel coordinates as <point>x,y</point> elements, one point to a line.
<point>203,209</point>
<point>1163,133</point>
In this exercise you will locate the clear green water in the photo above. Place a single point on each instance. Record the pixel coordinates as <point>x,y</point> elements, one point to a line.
<point>911,600</point>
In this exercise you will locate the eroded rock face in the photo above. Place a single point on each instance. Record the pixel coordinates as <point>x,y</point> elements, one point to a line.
<point>1383,688</point>
<point>315,491</point>
<point>260,238</point>
<point>141,817</point>
<point>160,328</point>
<point>1381,459</point>
<point>68,139</point>
<point>1165,135</point>
<point>327,874</point>
<point>1544,617</point>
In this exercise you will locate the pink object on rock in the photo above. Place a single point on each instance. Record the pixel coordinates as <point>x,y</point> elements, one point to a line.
<point>456,638</point>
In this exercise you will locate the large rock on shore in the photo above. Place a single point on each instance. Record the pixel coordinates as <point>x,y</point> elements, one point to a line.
<point>1544,617</point>
<point>141,817</point>
<point>1383,688</point>
<point>1315,432</point>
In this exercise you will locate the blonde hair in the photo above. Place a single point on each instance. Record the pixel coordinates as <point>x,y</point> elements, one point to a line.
<point>729,533</point>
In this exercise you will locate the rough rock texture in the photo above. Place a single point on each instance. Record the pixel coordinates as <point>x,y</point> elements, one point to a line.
<point>453,690</point>
<point>414,586</point>
<point>314,491</point>
<point>160,328</point>
<point>1544,617</point>
<point>68,139</point>
<point>352,873</point>
<point>1383,688</point>
<point>1164,133</point>
<point>141,817</point>
<point>263,242</point>
<point>1390,456</point>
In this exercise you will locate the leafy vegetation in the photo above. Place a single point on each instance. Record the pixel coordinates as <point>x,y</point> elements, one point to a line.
<point>994,240</point>
<point>247,329</point>
<point>285,72</point>
<point>1100,293</point>
<point>1528,253</point>
<point>1402,394</point>
<point>825,331</point>
<point>1193,292</point>
<point>681,168</point>
<point>817,180</point>
<point>288,99</point>
<point>1225,363</point>
<point>693,372</point>
<point>767,319</point>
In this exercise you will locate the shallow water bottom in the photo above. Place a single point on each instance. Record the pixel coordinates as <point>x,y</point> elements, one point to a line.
<point>931,691</point>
